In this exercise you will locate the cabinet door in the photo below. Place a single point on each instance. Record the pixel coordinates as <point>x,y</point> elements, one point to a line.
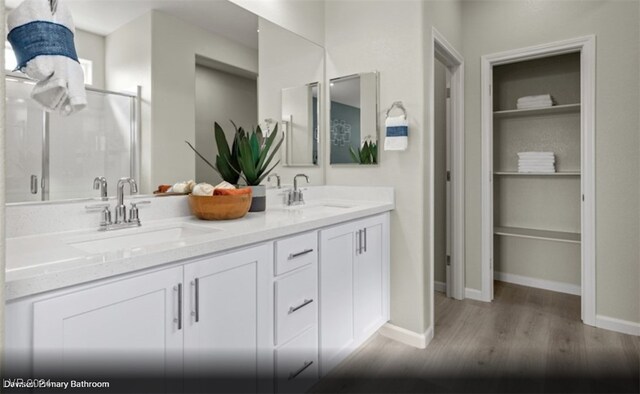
<point>368,278</point>
<point>126,328</point>
<point>229,320</point>
<point>337,253</point>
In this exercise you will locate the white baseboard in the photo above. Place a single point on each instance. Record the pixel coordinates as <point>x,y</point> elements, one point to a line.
<point>473,294</point>
<point>618,325</point>
<point>407,337</point>
<point>439,286</point>
<point>560,287</point>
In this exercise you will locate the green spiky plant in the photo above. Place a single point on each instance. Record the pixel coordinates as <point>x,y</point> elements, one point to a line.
<point>255,154</point>
<point>227,159</point>
<point>368,154</point>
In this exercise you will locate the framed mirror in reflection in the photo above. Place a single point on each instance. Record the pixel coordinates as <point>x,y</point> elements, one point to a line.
<point>212,61</point>
<point>300,115</point>
<point>353,125</point>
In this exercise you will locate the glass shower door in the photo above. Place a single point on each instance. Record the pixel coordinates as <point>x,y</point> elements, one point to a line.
<point>24,141</point>
<point>94,142</point>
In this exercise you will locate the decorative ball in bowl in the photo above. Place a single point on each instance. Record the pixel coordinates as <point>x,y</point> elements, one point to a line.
<point>220,207</point>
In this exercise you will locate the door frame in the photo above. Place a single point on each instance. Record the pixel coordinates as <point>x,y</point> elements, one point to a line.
<point>453,60</point>
<point>586,46</point>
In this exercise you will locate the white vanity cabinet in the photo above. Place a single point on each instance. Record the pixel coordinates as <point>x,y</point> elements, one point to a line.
<point>207,318</point>
<point>354,289</point>
<point>126,325</point>
<point>228,323</point>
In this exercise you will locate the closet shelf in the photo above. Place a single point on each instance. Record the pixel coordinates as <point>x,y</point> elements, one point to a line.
<point>559,236</point>
<point>556,109</point>
<point>515,173</point>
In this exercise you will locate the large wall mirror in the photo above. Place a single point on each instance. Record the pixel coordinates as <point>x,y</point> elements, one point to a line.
<point>353,126</point>
<point>160,73</point>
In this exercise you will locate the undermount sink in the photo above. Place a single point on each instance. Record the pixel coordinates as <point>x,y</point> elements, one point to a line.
<point>138,238</point>
<point>316,208</point>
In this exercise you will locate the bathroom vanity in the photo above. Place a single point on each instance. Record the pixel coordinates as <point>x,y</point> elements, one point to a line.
<point>276,299</point>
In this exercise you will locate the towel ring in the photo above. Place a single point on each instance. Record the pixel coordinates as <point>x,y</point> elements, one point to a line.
<point>397,104</point>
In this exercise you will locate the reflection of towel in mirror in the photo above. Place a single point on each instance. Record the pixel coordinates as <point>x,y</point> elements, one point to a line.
<point>397,131</point>
<point>45,51</point>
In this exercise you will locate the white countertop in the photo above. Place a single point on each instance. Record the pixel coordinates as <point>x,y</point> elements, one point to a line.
<point>43,262</point>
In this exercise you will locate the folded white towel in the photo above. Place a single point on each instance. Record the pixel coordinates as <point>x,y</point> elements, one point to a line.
<point>540,97</point>
<point>397,131</point>
<point>536,161</point>
<point>535,154</point>
<point>531,170</point>
<point>60,87</point>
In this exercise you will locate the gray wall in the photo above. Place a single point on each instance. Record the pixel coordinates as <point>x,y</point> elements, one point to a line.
<point>221,97</point>
<point>493,26</point>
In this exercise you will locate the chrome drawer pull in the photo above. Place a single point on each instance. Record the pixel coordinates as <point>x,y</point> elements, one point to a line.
<point>178,320</point>
<point>307,364</point>
<point>295,308</point>
<point>294,255</point>
<point>197,286</point>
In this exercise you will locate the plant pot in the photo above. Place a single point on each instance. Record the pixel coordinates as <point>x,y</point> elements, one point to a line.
<point>259,200</point>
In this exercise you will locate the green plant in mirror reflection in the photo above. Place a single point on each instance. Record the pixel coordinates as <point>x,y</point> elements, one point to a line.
<point>368,154</point>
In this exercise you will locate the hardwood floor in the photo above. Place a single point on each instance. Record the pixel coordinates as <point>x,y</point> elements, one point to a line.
<point>526,340</point>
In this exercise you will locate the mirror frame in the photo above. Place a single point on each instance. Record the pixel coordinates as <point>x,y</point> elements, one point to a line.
<point>377,112</point>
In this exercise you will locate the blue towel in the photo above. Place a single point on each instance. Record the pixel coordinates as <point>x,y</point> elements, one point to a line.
<point>44,48</point>
<point>39,38</point>
<point>397,133</point>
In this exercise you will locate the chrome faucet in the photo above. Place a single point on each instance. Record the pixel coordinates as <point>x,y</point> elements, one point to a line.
<point>121,209</point>
<point>278,183</point>
<point>100,183</point>
<point>295,197</point>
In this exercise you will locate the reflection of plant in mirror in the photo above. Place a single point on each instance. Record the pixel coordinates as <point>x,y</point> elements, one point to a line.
<point>226,159</point>
<point>368,154</point>
<point>253,154</point>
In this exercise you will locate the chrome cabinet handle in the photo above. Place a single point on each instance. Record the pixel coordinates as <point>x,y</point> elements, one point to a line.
<point>34,184</point>
<point>358,242</point>
<point>294,255</point>
<point>197,285</point>
<point>365,239</point>
<point>304,303</point>
<point>293,375</point>
<point>179,318</point>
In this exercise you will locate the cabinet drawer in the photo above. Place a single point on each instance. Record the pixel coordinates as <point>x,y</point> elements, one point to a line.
<point>297,363</point>
<point>296,304</point>
<point>295,252</point>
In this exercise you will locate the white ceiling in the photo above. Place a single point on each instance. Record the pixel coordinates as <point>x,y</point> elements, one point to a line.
<point>346,91</point>
<point>217,16</point>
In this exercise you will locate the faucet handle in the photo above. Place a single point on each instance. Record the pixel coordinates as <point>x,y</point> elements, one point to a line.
<point>133,211</point>
<point>106,213</point>
<point>97,207</point>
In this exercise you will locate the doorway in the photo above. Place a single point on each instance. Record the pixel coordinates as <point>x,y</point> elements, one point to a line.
<point>222,94</point>
<point>570,183</point>
<point>447,163</point>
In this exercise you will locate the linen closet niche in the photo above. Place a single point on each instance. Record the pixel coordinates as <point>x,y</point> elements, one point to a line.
<point>537,215</point>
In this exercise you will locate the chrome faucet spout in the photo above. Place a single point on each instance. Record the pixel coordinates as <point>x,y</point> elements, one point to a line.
<point>295,181</point>
<point>100,183</point>
<point>121,209</point>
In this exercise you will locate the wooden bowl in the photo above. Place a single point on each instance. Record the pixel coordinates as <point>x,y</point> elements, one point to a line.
<point>220,207</point>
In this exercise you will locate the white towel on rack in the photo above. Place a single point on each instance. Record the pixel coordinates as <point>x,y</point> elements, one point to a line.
<point>60,87</point>
<point>397,133</point>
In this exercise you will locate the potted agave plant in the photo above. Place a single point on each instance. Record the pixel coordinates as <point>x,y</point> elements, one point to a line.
<point>254,158</point>
<point>249,158</point>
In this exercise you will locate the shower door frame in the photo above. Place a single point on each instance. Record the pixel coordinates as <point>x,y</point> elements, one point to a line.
<point>134,138</point>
